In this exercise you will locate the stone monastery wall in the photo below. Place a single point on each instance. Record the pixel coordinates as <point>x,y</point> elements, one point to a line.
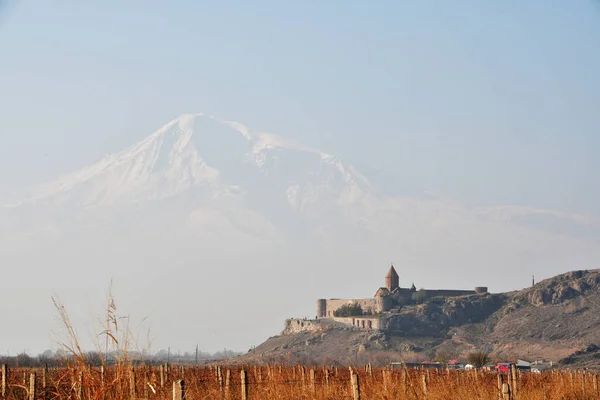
<point>297,325</point>
<point>326,308</point>
<point>448,292</point>
<point>361,322</point>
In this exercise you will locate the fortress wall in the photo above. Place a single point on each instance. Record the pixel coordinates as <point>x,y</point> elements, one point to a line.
<point>368,323</point>
<point>344,320</point>
<point>297,325</point>
<point>404,293</point>
<point>448,293</point>
<point>360,322</point>
<point>333,304</point>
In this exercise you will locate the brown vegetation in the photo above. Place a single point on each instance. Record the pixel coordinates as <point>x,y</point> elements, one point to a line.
<point>288,382</point>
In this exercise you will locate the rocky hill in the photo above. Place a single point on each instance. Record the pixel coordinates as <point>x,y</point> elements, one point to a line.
<point>557,319</point>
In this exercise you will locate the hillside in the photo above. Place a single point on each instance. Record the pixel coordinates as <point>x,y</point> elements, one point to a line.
<point>557,319</point>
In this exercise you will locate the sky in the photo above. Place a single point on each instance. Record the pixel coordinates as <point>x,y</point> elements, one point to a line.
<point>490,103</point>
<point>486,103</point>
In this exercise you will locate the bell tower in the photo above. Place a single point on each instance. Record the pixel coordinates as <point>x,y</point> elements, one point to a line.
<point>392,280</point>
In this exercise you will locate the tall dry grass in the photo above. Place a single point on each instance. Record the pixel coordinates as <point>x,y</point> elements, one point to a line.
<point>79,382</point>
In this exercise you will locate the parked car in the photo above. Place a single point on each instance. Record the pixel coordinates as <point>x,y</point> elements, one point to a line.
<point>503,368</point>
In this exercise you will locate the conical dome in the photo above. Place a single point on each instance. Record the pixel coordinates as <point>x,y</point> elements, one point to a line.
<point>392,273</point>
<point>392,279</point>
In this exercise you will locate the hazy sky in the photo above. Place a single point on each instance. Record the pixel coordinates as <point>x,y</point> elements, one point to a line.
<point>489,102</point>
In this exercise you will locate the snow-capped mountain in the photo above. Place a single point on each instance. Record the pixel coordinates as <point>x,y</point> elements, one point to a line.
<point>201,152</point>
<point>223,180</point>
<point>217,176</point>
<point>217,172</point>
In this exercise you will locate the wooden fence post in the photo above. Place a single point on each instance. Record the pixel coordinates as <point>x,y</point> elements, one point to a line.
<point>162,375</point>
<point>355,382</point>
<point>220,377</point>
<point>32,394</point>
<point>4,379</point>
<point>178,390</point>
<point>312,379</point>
<point>596,383</point>
<point>243,378</point>
<point>80,385</point>
<point>514,374</point>
<point>102,372</point>
<point>44,377</point>
<point>227,381</point>
<point>424,377</point>
<point>505,391</point>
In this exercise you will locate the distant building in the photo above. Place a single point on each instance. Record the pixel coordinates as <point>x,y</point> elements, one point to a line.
<point>386,300</point>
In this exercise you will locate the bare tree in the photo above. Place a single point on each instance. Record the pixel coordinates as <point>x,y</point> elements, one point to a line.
<point>480,357</point>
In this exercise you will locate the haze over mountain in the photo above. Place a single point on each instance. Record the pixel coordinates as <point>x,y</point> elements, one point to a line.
<point>217,232</point>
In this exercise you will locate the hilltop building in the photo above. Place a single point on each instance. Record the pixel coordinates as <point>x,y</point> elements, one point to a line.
<point>387,300</point>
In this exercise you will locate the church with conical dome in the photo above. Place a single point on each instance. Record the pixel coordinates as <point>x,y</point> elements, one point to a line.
<point>388,300</point>
<point>392,280</point>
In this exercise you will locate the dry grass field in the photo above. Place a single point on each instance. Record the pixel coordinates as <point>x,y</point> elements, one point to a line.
<point>122,381</point>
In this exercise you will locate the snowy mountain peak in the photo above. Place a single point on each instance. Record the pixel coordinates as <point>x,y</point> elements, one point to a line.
<point>202,151</point>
